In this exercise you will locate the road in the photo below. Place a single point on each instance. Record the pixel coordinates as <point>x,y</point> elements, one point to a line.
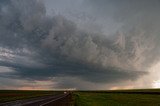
<point>54,100</point>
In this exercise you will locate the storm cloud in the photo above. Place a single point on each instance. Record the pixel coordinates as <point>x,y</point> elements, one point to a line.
<point>38,46</point>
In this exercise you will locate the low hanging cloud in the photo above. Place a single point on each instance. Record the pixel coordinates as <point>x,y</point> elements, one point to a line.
<point>38,46</point>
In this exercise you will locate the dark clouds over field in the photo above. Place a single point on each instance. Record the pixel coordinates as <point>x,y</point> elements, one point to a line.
<point>92,42</point>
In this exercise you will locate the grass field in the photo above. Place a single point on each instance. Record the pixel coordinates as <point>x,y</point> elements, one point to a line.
<point>11,95</point>
<point>146,97</point>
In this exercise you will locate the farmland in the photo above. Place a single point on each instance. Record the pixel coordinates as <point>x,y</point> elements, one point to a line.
<point>11,95</point>
<point>145,97</point>
<point>139,97</point>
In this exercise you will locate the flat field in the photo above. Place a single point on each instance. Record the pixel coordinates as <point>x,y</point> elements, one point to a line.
<point>11,95</point>
<point>147,97</point>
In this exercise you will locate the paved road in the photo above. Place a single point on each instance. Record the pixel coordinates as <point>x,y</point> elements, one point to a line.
<point>54,100</point>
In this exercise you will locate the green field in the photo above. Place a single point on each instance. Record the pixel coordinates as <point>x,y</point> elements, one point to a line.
<point>11,95</point>
<point>118,98</point>
<point>147,97</point>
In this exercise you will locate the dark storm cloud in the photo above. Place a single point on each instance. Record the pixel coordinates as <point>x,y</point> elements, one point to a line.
<point>140,28</point>
<point>38,46</point>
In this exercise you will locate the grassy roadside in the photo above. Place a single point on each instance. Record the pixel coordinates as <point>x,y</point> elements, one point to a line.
<point>115,99</point>
<point>11,95</point>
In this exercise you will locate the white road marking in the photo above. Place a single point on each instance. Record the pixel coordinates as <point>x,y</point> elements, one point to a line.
<point>53,100</point>
<point>22,102</point>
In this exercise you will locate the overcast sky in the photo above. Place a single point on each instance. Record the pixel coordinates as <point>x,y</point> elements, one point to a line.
<point>79,44</point>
